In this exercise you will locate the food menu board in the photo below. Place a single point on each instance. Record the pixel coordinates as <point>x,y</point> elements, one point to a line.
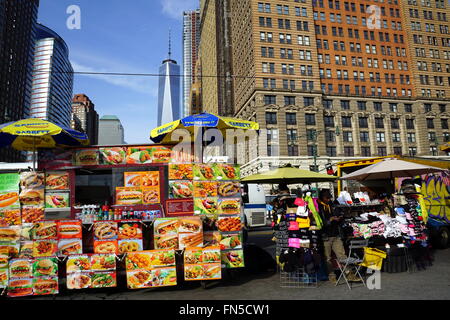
<point>118,237</point>
<point>178,233</point>
<point>10,241</point>
<point>86,157</point>
<point>202,264</point>
<point>140,188</point>
<point>91,271</point>
<point>148,154</point>
<point>32,186</point>
<point>57,181</point>
<point>148,269</point>
<point>33,277</point>
<point>57,190</point>
<point>70,236</point>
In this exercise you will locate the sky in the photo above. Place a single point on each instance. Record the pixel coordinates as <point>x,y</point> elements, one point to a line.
<point>120,36</point>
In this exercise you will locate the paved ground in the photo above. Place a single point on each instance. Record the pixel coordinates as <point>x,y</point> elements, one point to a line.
<point>433,283</point>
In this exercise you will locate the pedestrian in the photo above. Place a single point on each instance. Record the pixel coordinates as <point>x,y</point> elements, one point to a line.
<point>331,232</point>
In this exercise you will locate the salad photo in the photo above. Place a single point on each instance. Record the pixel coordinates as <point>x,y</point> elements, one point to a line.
<point>103,280</point>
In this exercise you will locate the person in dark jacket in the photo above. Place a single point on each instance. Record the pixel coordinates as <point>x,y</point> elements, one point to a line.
<point>331,231</point>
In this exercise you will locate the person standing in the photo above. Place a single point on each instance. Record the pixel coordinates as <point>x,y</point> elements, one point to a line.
<point>331,232</point>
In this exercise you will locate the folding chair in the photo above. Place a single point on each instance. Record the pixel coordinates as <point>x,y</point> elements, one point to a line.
<point>352,262</point>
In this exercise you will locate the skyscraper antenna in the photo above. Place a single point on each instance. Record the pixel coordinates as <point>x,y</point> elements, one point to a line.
<point>170,45</point>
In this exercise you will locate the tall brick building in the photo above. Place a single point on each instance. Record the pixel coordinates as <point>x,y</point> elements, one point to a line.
<point>325,77</point>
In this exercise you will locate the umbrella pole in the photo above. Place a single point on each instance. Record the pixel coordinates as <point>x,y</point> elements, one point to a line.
<point>34,153</point>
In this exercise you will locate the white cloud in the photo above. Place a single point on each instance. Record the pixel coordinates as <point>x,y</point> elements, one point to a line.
<point>139,84</point>
<point>175,8</point>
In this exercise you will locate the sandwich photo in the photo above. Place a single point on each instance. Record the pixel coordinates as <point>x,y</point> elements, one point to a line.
<point>114,155</point>
<point>231,206</point>
<point>8,199</point>
<point>192,225</point>
<point>57,200</point>
<point>150,195</point>
<point>32,197</point>
<point>212,238</point>
<point>78,281</point>
<point>138,155</point>
<point>3,278</point>
<point>205,206</point>
<point>57,181</point>
<point>229,224</point>
<point>10,249</point>
<point>20,287</point>
<point>161,154</point>
<point>31,180</point>
<point>132,179</point>
<point>166,242</point>
<point>20,268</point>
<point>128,196</point>
<point>86,157</point>
<point>204,172</point>
<point>68,247</point>
<point>9,234</point>
<point>3,261</point>
<point>166,226</point>
<point>45,267</point>
<point>45,230</point>
<point>211,256</point>
<point>26,249</point>
<point>69,230</point>
<point>212,271</point>
<point>228,188</point>
<point>181,189</point>
<point>191,240</point>
<point>44,286</point>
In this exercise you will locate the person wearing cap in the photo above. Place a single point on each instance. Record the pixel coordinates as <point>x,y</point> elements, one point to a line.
<point>331,232</point>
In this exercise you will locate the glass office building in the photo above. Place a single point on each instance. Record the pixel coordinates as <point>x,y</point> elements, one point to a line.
<point>51,96</point>
<point>169,92</point>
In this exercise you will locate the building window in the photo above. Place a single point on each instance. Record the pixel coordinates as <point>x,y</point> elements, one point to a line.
<point>430,124</point>
<point>364,136</point>
<point>427,107</point>
<point>291,134</point>
<point>311,134</point>
<point>308,101</point>
<point>272,150</point>
<point>270,99</point>
<point>312,151</point>
<point>382,151</point>
<point>292,151</point>
<point>444,123</point>
<point>310,119</point>
<point>396,137</point>
<point>412,151</point>
<point>395,124</point>
<point>272,135</point>
<point>446,136</point>
<point>271,118</point>
<point>393,107</point>
<point>442,107</point>
<point>331,151</point>
<point>348,136</point>
<point>432,137</point>
<point>328,104</point>
<point>345,104</point>
<point>433,151</point>
<point>408,108</point>
<point>378,106</point>
<point>380,137</point>
<point>363,122</point>
<point>409,123</point>
<point>328,121</point>
<point>289,100</point>
<point>365,151</point>
<point>346,122</point>
<point>348,151</point>
<point>330,136</point>
<point>379,123</point>
<point>362,105</point>
<point>291,118</point>
<point>411,137</point>
<point>398,151</point>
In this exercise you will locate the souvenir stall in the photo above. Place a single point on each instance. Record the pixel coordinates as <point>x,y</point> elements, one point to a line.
<point>123,216</point>
<point>399,227</point>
